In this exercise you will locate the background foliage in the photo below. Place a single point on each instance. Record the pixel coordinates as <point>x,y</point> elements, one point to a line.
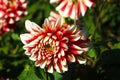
<point>102,22</point>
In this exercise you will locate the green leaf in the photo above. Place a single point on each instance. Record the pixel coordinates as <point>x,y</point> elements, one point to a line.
<point>92,53</point>
<point>28,74</point>
<point>78,79</point>
<point>57,76</point>
<point>15,36</point>
<point>117,45</point>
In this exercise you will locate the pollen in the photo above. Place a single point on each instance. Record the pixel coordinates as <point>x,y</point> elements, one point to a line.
<point>48,47</point>
<point>74,1</point>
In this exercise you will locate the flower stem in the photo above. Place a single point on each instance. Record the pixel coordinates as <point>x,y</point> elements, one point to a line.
<point>98,21</point>
<point>46,74</point>
<point>75,14</point>
<point>96,28</point>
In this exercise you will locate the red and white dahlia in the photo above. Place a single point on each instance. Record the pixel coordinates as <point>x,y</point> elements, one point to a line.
<point>17,8</point>
<point>2,12</point>
<point>54,16</point>
<point>72,8</point>
<point>10,12</point>
<point>54,45</point>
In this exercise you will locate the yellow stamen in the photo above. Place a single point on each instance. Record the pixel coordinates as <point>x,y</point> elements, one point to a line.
<point>74,1</point>
<point>48,47</point>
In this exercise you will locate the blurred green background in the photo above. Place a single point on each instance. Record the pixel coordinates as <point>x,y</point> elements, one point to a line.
<point>103,24</point>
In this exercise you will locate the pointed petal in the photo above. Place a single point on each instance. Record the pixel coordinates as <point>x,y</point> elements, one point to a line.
<point>43,63</point>
<point>73,14</point>
<point>31,44</point>
<point>81,60</point>
<point>59,55</point>
<point>32,27</point>
<point>83,8</point>
<point>12,15</point>
<point>65,39</point>
<point>72,29</point>
<point>50,69</point>
<point>19,13</point>
<point>33,58</point>
<point>37,64</point>
<point>71,58</point>
<point>11,21</point>
<point>25,37</point>
<point>47,24</point>
<point>27,53</point>
<point>53,16</point>
<point>62,5</point>
<point>75,47</point>
<point>67,12</point>
<point>39,56</point>
<point>63,61</point>
<point>88,3</point>
<point>59,34</point>
<point>53,1</point>
<point>77,51</point>
<point>46,39</point>
<point>85,49</point>
<point>63,64</point>
<point>57,68</point>
<point>64,46</point>
<point>57,43</point>
<point>75,38</point>
<point>58,23</point>
<point>62,52</point>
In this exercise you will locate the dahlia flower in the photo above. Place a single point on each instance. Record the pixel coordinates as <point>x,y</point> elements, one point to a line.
<point>54,16</point>
<point>11,11</point>
<point>72,8</point>
<point>54,46</point>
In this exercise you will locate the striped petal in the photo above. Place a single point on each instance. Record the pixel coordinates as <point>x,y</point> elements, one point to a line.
<point>81,60</point>
<point>50,69</point>
<point>77,51</point>
<point>83,8</point>
<point>32,27</point>
<point>57,68</point>
<point>55,45</point>
<point>53,1</point>
<point>25,37</point>
<point>75,38</point>
<point>71,58</point>
<point>73,46</point>
<point>88,3</point>
<point>63,63</point>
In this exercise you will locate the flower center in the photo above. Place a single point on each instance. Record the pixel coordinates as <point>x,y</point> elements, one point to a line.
<point>48,47</point>
<point>74,1</point>
<point>12,3</point>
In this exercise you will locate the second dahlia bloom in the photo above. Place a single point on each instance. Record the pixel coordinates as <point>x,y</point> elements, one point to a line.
<point>11,11</point>
<point>54,46</point>
<point>54,16</point>
<point>16,9</point>
<point>72,8</point>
